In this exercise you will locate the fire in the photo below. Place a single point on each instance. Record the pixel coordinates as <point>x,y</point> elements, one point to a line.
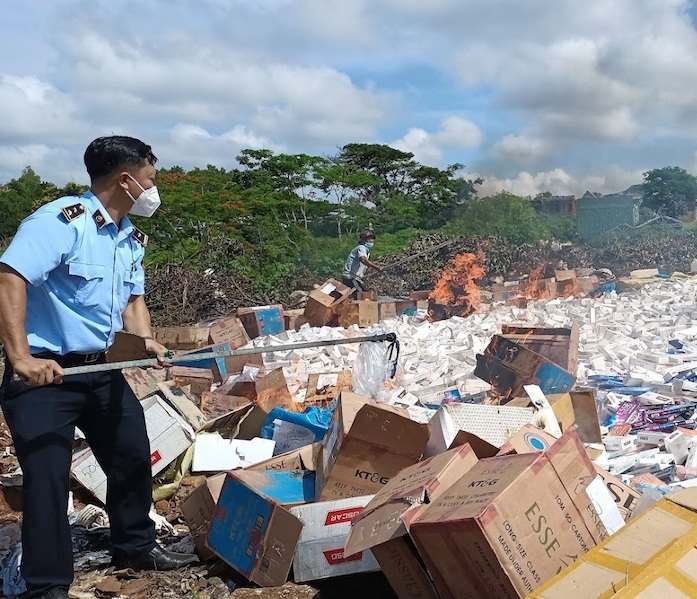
<point>457,286</point>
<point>534,290</point>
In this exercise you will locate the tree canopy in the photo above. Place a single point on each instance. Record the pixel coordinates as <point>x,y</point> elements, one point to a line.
<point>671,191</point>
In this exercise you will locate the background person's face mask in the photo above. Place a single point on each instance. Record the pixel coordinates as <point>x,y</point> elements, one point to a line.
<point>369,246</point>
<point>146,203</point>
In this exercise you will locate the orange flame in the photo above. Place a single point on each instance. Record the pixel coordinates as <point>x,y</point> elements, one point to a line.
<point>456,286</point>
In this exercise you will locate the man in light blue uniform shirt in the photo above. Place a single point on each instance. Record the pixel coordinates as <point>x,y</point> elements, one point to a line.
<point>70,280</point>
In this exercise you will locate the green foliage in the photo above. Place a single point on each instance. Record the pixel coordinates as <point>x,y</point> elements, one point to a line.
<point>503,215</point>
<point>671,191</point>
<point>561,228</point>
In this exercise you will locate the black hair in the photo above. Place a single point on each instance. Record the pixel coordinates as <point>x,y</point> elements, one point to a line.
<point>367,235</point>
<point>108,154</point>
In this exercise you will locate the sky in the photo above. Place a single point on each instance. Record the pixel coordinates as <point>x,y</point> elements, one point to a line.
<point>531,95</point>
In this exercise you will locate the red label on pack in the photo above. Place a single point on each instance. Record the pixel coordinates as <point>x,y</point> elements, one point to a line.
<point>340,516</point>
<point>155,457</point>
<point>336,556</point>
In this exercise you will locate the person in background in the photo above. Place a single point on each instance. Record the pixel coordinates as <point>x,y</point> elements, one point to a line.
<point>358,262</point>
<point>70,280</point>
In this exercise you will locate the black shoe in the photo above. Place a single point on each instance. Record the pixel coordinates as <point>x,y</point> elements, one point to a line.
<point>156,559</point>
<point>57,593</point>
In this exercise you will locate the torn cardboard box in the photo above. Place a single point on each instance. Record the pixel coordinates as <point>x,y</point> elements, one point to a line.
<point>508,367</point>
<point>507,526</point>
<point>379,443</point>
<point>304,458</point>
<point>320,551</point>
<point>261,321</point>
<point>169,434</point>
<point>326,387</point>
<point>383,526</point>
<point>560,345</point>
<point>252,530</point>
<point>322,304</point>
<point>198,507</point>
<point>364,313</point>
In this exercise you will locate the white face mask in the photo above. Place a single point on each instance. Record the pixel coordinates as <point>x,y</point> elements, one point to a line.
<point>146,203</point>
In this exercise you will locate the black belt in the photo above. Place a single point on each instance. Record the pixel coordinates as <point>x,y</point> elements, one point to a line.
<point>74,359</point>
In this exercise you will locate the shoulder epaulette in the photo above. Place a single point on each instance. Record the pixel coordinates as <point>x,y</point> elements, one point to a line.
<point>99,219</point>
<point>73,211</point>
<point>139,236</point>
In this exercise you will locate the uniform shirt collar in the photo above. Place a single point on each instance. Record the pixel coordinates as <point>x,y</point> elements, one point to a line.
<point>92,204</point>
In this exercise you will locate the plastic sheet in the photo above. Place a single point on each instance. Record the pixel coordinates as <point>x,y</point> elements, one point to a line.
<point>371,369</point>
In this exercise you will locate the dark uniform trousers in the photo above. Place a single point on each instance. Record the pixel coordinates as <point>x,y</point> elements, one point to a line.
<point>42,421</point>
<point>354,284</point>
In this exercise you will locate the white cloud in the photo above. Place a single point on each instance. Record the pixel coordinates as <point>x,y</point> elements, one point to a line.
<point>559,182</point>
<point>518,148</point>
<point>429,148</point>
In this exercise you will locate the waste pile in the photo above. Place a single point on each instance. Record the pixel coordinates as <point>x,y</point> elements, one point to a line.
<point>539,439</point>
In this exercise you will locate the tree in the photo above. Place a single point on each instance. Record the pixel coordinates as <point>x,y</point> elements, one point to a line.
<point>670,191</point>
<point>18,198</point>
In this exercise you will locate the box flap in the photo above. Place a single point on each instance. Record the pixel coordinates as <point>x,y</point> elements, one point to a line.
<point>388,514</point>
<point>470,495</point>
<point>390,428</point>
<point>686,498</point>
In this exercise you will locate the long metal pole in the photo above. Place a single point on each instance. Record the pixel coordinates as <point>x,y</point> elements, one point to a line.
<point>186,358</point>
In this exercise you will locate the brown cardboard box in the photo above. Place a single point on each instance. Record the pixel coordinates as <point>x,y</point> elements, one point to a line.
<point>657,544</point>
<point>294,319</point>
<point>188,338</point>
<point>364,313</point>
<point>326,387</point>
<point>359,457</point>
<point>198,507</point>
<point>404,305</point>
<point>420,295</point>
<point>229,330</point>
<point>259,321</point>
<point>200,379</point>
<point>383,526</point>
<point>320,308</point>
<point>507,526</point>
<point>304,458</point>
<point>575,408</point>
<point>144,382</point>
<point>529,439</point>
<point>252,529</point>
<point>387,309</point>
<point>367,295</point>
<point>560,345</point>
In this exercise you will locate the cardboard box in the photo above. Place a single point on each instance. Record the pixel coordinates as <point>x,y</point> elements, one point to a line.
<point>367,295</point>
<point>252,530</point>
<point>575,408</point>
<point>420,295</point>
<point>182,403</point>
<point>217,365</point>
<point>531,439</point>
<point>182,338</point>
<point>383,526</point>
<point>229,330</point>
<point>508,367</point>
<point>502,530</point>
<point>260,321</point>
<point>199,379</point>
<point>198,508</point>
<point>294,319</point>
<point>361,453</point>
<point>304,458</point>
<point>387,309</point>
<point>404,306</point>
<point>560,345</point>
<point>320,309</point>
<point>505,527</point>
<point>326,387</point>
<point>488,422</point>
<point>364,313</point>
<point>144,382</point>
<point>169,434</point>
<point>320,551</point>
<point>653,545</point>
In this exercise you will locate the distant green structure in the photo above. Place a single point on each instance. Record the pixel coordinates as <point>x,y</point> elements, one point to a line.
<point>598,214</point>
